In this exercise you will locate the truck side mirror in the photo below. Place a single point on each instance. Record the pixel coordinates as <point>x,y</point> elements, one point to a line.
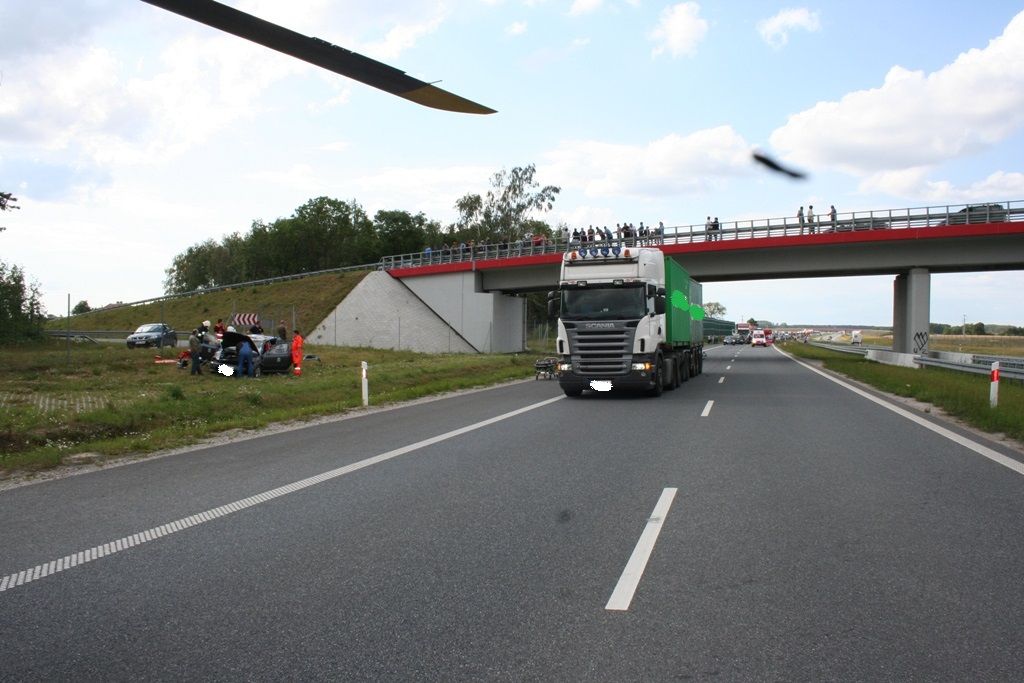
<point>553,305</point>
<point>659,305</point>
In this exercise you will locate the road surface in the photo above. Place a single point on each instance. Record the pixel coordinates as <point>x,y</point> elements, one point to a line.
<point>762,522</point>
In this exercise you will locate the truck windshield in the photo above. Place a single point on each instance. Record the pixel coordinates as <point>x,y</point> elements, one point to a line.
<point>613,303</point>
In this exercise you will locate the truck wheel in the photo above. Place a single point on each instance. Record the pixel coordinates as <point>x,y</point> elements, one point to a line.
<point>699,363</point>
<point>684,368</point>
<point>572,393</point>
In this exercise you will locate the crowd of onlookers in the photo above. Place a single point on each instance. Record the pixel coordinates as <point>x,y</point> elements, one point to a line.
<point>623,233</point>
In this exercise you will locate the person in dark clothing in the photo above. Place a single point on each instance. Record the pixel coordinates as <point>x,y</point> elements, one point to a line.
<point>193,349</point>
<point>282,331</point>
<point>245,359</point>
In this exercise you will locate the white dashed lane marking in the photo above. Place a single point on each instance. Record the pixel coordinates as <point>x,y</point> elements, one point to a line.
<point>707,409</point>
<point>622,596</point>
<point>84,556</point>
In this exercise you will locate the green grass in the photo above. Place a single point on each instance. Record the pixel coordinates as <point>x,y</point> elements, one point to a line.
<point>110,401</point>
<point>963,395</point>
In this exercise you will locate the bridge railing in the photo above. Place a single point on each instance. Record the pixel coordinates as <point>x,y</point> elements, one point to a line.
<point>821,224</point>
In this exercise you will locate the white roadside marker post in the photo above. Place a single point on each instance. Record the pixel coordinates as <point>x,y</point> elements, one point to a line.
<point>366,386</point>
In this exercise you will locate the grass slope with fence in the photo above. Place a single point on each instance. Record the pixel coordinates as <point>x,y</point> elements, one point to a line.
<point>309,299</point>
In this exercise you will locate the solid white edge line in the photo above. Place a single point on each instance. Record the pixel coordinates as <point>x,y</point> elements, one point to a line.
<point>622,596</point>
<point>721,379</point>
<point>978,448</point>
<point>707,409</point>
<point>34,574</point>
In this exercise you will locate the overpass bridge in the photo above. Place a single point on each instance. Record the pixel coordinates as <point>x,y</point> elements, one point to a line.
<point>470,293</point>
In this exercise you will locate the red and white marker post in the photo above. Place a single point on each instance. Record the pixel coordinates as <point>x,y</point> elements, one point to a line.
<point>993,392</point>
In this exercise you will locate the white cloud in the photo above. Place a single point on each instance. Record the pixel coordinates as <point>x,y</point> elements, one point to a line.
<point>337,146</point>
<point>516,28</point>
<point>401,38</point>
<point>679,30</point>
<point>103,111</point>
<point>31,26</point>
<point>666,167</point>
<point>914,184</point>
<point>580,7</point>
<point>775,30</point>
<point>433,191</point>
<point>914,119</point>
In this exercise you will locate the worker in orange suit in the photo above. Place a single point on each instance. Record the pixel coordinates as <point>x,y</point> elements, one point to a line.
<point>297,341</point>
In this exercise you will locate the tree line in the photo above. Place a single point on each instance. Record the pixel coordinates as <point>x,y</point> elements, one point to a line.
<point>327,233</point>
<point>21,310</point>
<point>975,329</point>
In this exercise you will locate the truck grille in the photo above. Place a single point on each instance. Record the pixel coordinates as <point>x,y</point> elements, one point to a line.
<point>600,352</point>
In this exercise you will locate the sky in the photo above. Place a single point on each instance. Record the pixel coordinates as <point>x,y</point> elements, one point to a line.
<point>129,133</point>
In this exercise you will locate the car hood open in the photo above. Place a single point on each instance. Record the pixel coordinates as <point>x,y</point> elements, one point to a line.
<point>236,338</point>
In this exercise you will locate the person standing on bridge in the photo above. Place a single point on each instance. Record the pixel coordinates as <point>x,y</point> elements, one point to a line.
<point>715,227</point>
<point>800,219</point>
<point>707,229</point>
<point>810,219</point>
<point>832,216</point>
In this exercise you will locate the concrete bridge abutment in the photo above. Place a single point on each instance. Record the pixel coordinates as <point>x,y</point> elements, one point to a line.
<point>446,313</point>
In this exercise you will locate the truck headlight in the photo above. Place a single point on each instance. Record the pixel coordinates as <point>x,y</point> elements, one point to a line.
<point>565,367</point>
<point>641,366</point>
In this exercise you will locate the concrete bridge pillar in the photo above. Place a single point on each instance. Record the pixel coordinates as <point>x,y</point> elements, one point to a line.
<point>911,311</point>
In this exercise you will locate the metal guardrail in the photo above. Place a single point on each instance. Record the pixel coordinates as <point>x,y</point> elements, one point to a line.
<point>77,336</point>
<point>844,348</point>
<point>1011,362</point>
<point>219,288</point>
<point>1010,367</point>
<point>854,221</point>
<point>976,368</point>
<point>93,335</point>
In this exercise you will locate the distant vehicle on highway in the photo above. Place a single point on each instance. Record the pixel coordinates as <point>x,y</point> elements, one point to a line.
<point>152,334</point>
<point>856,337</point>
<point>978,213</point>
<point>757,338</point>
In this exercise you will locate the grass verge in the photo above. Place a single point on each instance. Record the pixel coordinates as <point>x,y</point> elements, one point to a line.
<point>106,400</point>
<point>962,395</point>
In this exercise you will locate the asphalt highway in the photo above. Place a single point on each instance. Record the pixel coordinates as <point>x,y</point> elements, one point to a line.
<point>762,522</point>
